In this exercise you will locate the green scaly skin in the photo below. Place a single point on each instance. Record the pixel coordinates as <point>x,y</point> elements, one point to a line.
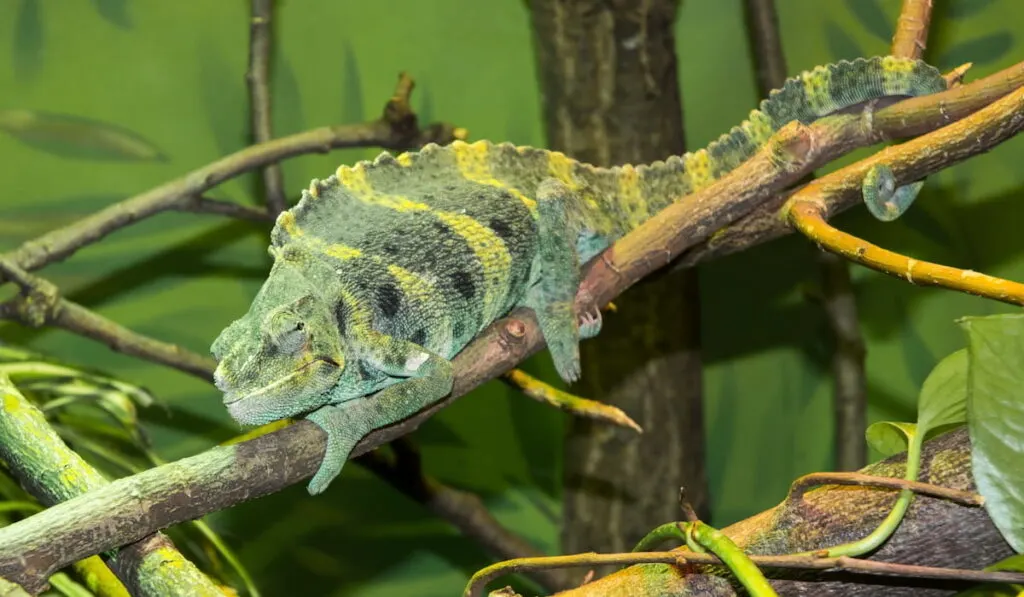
<point>386,270</point>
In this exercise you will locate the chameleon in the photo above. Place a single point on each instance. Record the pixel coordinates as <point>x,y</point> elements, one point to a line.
<point>387,269</point>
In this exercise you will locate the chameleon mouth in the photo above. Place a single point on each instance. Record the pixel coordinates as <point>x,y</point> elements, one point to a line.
<point>319,362</point>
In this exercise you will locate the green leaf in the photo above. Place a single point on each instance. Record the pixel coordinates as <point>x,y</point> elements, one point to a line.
<point>995,418</point>
<point>840,44</point>
<point>962,9</point>
<point>980,50</point>
<point>872,17</point>
<point>114,12</point>
<point>28,40</point>
<point>890,437</point>
<point>76,137</point>
<point>1013,563</point>
<point>943,398</point>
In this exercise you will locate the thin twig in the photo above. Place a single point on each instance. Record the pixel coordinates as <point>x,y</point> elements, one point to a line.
<point>575,405</point>
<point>912,29</point>
<point>803,484</point>
<point>39,303</point>
<point>464,510</point>
<point>683,559</point>
<point>259,98</point>
<point>396,129</point>
<point>204,205</point>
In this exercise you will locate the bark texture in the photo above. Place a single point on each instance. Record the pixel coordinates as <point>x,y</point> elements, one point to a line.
<point>611,96</point>
<point>935,532</point>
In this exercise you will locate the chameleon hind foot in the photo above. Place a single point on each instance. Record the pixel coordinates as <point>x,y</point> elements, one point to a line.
<point>558,279</point>
<point>590,323</point>
<point>884,200</point>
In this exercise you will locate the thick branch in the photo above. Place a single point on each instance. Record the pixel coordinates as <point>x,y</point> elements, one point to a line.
<point>53,473</point>
<point>396,129</point>
<point>905,119</point>
<point>259,98</point>
<point>935,533</point>
<point>130,508</point>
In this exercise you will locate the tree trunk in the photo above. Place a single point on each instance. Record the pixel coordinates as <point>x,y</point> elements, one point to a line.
<point>611,96</point>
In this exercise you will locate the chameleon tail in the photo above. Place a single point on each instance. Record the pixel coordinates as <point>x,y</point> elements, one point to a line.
<point>645,190</point>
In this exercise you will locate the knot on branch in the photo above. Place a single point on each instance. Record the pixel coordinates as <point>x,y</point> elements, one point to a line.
<point>404,125</point>
<point>792,147</point>
<point>38,301</point>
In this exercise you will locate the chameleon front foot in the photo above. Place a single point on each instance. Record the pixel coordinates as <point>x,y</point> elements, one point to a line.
<point>341,440</point>
<point>884,200</point>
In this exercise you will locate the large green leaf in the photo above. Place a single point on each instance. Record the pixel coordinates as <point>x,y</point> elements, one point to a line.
<point>890,437</point>
<point>943,400</point>
<point>995,407</point>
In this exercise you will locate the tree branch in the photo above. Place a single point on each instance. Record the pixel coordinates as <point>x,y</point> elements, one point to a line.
<point>259,94</point>
<point>130,508</point>
<point>904,119</point>
<point>938,539</point>
<point>912,29</point>
<point>51,472</point>
<point>396,129</point>
<point>40,303</point>
<point>202,205</point>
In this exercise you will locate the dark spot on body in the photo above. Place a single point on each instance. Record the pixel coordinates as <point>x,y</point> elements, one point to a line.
<point>419,337</point>
<point>463,284</point>
<point>501,228</point>
<point>340,315</point>
<point>389,248</point>
<point>438,226</point>
<point>389,300</point>
<point>458,329</point>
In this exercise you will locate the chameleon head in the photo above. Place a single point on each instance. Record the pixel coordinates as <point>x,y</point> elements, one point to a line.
<point>283,356</point>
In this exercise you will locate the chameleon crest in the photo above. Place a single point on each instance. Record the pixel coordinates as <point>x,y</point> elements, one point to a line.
<point>384,271</point>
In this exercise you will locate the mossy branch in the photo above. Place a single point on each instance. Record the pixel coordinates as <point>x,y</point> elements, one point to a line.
<point>940,539</point>
<point>52,473</point>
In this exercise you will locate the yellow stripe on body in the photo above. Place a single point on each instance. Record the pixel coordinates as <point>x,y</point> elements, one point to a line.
<point>286,220</point>
<point>698,166</point>
<point>631,196</point>
<point>894,71</point>
<point>818,90</point>
<point>494,258</point>
<point>354,179</point>
<point>423,291</point>
<point>473,163</point>
<point>490,250</point>
<point>342,252</point>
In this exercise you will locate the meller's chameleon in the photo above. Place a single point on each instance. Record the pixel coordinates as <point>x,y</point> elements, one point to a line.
<point>384,271</point>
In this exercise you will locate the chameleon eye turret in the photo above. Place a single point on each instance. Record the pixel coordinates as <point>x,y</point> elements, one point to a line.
<point>387,269</point>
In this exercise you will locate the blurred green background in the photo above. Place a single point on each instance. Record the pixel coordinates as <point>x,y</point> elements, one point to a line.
<point>169,76</point>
